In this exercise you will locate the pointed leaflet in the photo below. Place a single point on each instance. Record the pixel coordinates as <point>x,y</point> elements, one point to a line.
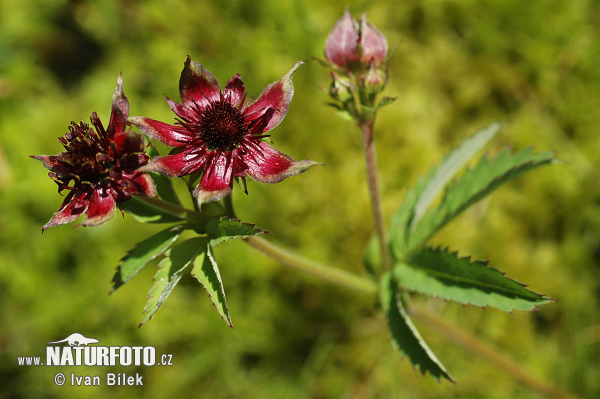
<point>472,186</point>
<point>224,228</point>
<point>450,167</point>
<point>144,252</point>
<point>404,334</point>
<point>169,273</point>
<point>437,272</point>
<point>206,271</point>
<point>402,218</point>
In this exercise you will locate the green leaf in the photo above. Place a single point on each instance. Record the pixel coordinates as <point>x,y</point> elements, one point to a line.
<point>385,101</point>
<point>399,229</point>
<point>169,273</point>
<point>142,253</point>
<point>437,272</point>
<point>206,271</point>
<point>145,213</point>
<point>372,256</point>
<point>224,228</point>
<point>450,167</point>
<point>405,336</point>
<point>472,186</point>
<point>164,187</point>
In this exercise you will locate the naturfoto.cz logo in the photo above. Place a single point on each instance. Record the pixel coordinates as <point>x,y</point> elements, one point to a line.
<point>78,350</point>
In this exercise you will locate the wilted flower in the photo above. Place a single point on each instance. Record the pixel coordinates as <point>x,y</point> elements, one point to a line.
<point>354,45</point>
<point>219,133</point>
<point>98,166</point>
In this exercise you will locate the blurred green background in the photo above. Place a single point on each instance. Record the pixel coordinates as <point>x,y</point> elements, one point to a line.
<point>460,65</point>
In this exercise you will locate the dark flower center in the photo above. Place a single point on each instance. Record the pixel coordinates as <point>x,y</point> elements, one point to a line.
<point>222,126</point>
<point>87,157</point>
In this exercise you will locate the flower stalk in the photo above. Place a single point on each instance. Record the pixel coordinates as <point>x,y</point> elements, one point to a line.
<point>373,184</point>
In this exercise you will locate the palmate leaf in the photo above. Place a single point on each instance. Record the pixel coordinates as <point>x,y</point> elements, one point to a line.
<point>399,229</point>
<point>206,271</point>
<point>170,270</point>
<point>438,272</point>
<point>404,334</point>
<point>449,167</point>
<point>472,186</point>
<point>144,252</point>
<point>224,228</point>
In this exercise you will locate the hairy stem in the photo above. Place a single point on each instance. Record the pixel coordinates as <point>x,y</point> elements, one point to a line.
<point>373,182</point>
<point>326,272</point>
<point>172,209</point>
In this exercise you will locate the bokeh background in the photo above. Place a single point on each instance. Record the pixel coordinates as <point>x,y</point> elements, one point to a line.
<point>459,66</point>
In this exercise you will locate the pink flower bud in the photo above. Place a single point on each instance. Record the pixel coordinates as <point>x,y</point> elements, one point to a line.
<point>354,45</point>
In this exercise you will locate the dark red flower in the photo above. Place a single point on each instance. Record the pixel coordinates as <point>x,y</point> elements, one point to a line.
<point>98,166</point>
<point>353,45</point>
<point>220,134</point>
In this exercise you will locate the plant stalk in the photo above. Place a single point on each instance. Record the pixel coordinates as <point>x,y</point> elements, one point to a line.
<point>366,128</point>
<point>323,271</point>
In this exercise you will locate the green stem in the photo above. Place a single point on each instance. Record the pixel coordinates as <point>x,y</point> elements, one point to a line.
<point>366,128</point>
<point>172,209</point>
<point>326,272</point>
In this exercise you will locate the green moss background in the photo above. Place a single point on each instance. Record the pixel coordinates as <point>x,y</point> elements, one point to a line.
<point>459,66</point>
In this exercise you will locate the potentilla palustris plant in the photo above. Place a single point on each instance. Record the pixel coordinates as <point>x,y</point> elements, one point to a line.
<point>219,135</point>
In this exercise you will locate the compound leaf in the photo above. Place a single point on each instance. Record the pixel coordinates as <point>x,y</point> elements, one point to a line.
<point>169,273</point>
<point>143,252</point>
<point>405,336</point>
<point>474,185</point>
<point>438,272</point>
<point>224,228</point>
<point>450,167</point>
<point>206,271</point>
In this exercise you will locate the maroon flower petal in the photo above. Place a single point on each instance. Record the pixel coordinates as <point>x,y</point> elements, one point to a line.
<point>177,165</point>
<point>51,163</point>
<point>72,207</point>
<point>197,86</point>
<point>101,207</point>
<point>234,91</point>
<point>120,110</point>
<point>267,165</point>
<point>173,136</point>
<point>217,180</point>
<point>340,47</point>
<point>187,114</point>
<point>278,96</point>
<point>142,184</point>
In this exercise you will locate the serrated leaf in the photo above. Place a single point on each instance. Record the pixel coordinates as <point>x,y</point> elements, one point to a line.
<point>224,228</point>
<point>169,273</point>
<point>143,252</point>
<point>206,271</point>
<point>472,186</point>
<point>437,272</point>
<point>450,166</point>
<point>402,219</point>
<point>145,213</point>
<point>405,336</point>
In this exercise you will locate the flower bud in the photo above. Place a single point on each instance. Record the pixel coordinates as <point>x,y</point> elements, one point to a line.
<point>373,80</point>
<point>353,45</point>
<point>340,88</point>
